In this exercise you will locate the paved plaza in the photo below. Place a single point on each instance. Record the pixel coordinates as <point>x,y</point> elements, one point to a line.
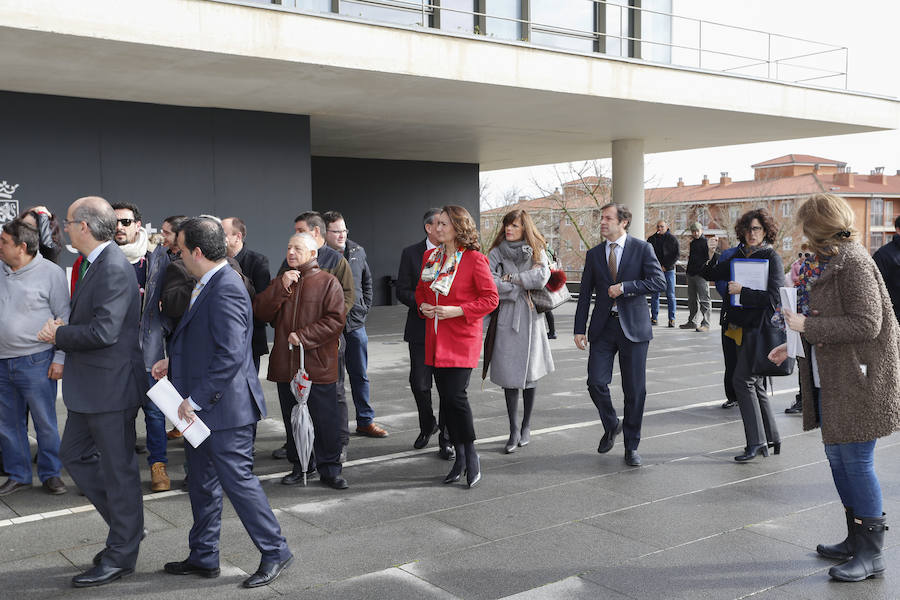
<point>553,520</point>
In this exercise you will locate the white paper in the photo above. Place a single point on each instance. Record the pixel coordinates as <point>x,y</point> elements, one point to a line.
<point>789,301</point>
<point>167,399</point>
<point>753,274</point>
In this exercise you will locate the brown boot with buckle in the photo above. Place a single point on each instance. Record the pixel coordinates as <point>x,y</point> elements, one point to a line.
<point>159,478</point>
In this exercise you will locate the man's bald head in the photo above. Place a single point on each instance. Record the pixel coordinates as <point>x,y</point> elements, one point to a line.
<point>97,214</point>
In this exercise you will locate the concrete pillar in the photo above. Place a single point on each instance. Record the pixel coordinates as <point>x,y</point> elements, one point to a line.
<point>628,181</point>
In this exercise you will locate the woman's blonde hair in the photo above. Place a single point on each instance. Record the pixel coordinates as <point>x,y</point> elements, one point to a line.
<point>827,223</point>
<point>532,236</point>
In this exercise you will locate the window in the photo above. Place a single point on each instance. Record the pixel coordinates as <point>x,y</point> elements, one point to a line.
<point>876,214</point>
<point>734,213</point>
<point>877,239</point>
<point>787,243</point>
<point>498,23</point>
<point>581,245</point>
<point>403,14</point>
<point>451,20</point>
<point>888,213</point>
<point>787,207</point>
<point>663,216</point>
<point>681,220</point>
<point>656,31</point>
<point>567,24</point>
<point>703,216</point>
<point>318,5</point>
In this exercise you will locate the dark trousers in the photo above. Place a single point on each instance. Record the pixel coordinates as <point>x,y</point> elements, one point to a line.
<point>323,409</point>
<point>98,451</point>
<point>729,353</point>
<point>420,377</point>
<point>551,322</point>
<point>224,463</point>
<point>342,394</point>
<point>633,368</point>
<point>753,401</point>
<point>456,413</point>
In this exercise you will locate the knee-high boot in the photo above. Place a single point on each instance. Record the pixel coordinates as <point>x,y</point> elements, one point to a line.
<point>527,405</point>
<point>867,561</point>
<point>512,411</point>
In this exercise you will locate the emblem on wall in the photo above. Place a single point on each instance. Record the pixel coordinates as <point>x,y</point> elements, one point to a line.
<point>9,207</point>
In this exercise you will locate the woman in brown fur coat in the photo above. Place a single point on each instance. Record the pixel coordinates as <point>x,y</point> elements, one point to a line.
<point>850,381</point>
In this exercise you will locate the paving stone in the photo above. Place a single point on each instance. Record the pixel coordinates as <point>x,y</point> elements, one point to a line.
<point>393,583</point>
<point>571,588</point>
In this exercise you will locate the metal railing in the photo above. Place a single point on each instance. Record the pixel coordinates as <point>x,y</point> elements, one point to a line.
<point>615,29</point>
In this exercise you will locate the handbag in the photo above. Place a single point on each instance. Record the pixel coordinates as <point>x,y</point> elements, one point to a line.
<point>764,338</point>
<point>552,295</point>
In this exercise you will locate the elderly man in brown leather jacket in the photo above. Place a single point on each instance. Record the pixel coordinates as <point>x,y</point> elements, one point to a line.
<point>305,305</point>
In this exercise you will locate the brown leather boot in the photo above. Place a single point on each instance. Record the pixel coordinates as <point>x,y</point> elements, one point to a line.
<point>159,478</point>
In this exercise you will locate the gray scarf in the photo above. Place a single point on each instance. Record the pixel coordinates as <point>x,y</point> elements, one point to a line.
<point>516,257</point>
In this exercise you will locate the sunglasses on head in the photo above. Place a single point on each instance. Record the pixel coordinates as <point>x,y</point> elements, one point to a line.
<point>125,222</point>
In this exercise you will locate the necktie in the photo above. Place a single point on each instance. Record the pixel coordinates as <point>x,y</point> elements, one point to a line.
<point>83,267</point>
<point>612,261</point>
<point>195,293</point>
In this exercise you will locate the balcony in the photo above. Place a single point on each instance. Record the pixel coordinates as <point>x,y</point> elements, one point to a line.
<point>644,30</point>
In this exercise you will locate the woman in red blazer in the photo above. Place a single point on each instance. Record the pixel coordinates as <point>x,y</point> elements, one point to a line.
<point>455,292</point>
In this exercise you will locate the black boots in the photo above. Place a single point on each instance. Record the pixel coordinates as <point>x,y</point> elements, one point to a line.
<point>867,542</point>
<point>751,452</point>
<point>843,550</point>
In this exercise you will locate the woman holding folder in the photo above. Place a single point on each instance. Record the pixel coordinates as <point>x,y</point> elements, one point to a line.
<point>743,310</point>
<point>850,378</point>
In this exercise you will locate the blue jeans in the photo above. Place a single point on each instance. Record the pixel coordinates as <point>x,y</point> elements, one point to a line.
<point>853,471</point>
<point>670,296</point>
<point>356,357</point>
<point>24,385</point>
<point>155,421</point>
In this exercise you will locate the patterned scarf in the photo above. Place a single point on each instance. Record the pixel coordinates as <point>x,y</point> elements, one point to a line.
<point>812,269</point>
<point>441,272</point>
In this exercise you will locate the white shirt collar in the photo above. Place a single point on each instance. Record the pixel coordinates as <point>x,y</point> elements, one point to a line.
<point>428,245</point>
<point>96,252</point>
<point>620,243</point>
<point>208,275</point>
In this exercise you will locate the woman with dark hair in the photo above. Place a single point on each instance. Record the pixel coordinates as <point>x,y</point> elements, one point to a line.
<point>455,292</point>
<point>850,378</point>
<point>45,222</point>
<point>756,231</point>
<point>521,352</point>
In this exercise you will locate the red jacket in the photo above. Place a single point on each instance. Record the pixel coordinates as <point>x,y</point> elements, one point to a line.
<point>457,342</point>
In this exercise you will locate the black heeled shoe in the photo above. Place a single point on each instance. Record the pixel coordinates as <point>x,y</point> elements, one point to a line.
<point>473,473</point>
<point>456,472</point>
<point>750,452</point>
<point>776,447</point>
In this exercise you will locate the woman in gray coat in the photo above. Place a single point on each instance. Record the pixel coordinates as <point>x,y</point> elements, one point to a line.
<point>850,379</point>
<point>521,354</point>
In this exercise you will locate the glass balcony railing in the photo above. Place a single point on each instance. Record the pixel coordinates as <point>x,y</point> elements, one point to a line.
<point>644,30</point>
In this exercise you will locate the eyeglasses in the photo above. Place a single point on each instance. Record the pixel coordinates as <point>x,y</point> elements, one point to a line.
<point>756,228</point>
<point>338,231</point>
<point>66,223</point>
<point>125,222</point>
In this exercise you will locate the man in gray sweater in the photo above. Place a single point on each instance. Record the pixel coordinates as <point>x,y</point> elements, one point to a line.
<point>32,290</point>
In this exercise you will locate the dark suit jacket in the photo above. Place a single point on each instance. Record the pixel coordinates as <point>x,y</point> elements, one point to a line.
<point>640,274</point>
<point>210,358</point>
<point>104,363</point>
<point>407,279</point>
<point>177,285</point>
<point>256,267</point>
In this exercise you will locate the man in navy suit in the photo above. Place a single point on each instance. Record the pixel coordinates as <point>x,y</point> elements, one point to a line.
<point>622,271</point>
<point>420,374</point>
<point>103,387</point>
<point>211,365</point>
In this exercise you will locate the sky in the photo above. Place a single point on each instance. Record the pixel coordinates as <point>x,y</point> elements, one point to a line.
<point>869,29</point>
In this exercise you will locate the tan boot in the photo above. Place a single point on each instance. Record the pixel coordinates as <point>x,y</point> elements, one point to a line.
<point>159,478</point>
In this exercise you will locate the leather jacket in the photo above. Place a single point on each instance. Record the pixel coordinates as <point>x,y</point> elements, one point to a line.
<point>313,308</point>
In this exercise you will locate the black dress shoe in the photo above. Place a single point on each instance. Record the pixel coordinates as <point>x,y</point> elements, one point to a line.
<point>609,438</point>
<point>100,575</point>
<point>473,475</point>
<point>795,408</point>
<point>447,452</point>
<point>425,437</point>
<point>185,568</point>
<point>751,452</point>
<point>632,458</point>
<point>11,486</point>
<point>729,403</point>
<point>455,472</point>
<point>268,571</point>
<point>337,483</point>
<point>280,453</point>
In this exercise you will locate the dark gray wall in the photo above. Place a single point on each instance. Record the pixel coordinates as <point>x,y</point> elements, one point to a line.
<point>383,201</point>
<point>165,159</point>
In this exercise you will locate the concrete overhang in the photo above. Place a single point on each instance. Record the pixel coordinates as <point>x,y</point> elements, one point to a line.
<point>376,91</point>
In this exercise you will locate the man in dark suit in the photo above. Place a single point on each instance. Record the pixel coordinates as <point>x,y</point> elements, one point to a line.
<point>420,375</point>
<point>103,386</point>
<point>622,271</point>
<point>256,267</point>
<point>212,368</point>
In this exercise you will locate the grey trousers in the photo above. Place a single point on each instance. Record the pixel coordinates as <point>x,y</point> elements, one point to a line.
<point>756,410</point>
<point>698,294</point>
